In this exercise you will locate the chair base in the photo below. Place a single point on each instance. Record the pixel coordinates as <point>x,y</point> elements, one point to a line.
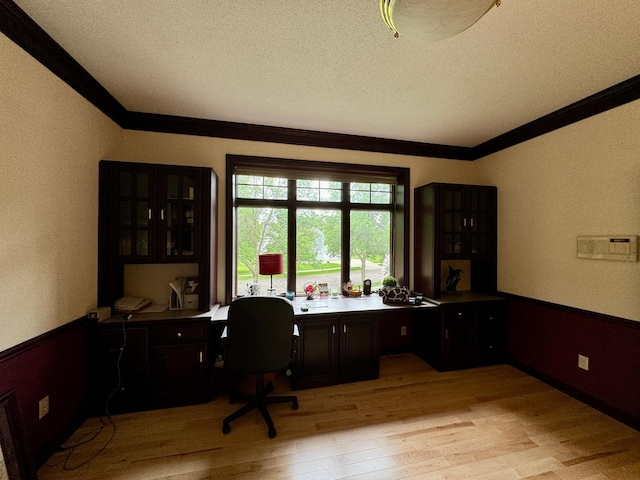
<point>259,401</point>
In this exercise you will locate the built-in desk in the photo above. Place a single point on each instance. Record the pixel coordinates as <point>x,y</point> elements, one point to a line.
<point>167,358</point>
<point>341,338</point>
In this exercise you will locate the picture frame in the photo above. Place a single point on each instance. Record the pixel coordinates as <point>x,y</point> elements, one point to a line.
<point>15,459</point>
<point>323,289</point>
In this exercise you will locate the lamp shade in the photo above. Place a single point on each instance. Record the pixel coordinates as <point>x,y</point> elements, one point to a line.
<point>270,263</point>
<point>433,20</point>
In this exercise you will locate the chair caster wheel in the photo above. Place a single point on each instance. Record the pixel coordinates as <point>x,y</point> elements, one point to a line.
<point>294,405</point>
<point>226,428</point>
<point>272,432</point>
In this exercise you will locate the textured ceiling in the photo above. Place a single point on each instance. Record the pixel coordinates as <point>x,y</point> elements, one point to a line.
<point>334,66</point>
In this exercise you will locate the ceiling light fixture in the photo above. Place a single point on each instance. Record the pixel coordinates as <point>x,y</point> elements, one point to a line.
<point>433,20</point>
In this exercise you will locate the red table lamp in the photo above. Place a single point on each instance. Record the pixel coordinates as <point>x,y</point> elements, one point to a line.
<point>270,264</point>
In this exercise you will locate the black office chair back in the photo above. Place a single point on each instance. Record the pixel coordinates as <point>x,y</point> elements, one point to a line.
<point>259,335</point>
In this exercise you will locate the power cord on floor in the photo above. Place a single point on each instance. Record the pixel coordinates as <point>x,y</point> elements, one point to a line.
<point>91,436</point>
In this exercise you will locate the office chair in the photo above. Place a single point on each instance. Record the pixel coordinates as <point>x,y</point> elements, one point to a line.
<point>259,340</point>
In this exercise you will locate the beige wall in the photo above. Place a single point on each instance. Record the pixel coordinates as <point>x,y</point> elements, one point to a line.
<point>583,179</point>
<point>50,142</point>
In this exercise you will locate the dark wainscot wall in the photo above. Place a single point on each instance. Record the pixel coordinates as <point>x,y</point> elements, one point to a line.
<point>545,340</point>
<point>51,364</point>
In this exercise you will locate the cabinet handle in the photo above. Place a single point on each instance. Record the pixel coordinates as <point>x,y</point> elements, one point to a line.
<point>149,214</point>
<point>446,334</point>
<point>345,328</point>
<point>179,334</point>
<point>200,356</point>
<point>162,214</point>
<point>334,329</point>
<point>471,219</point>
<point>464,222</point>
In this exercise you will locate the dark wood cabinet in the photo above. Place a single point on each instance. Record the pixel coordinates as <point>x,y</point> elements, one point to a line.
<point>334,349</point>
<point>161,364</point>
<point>396,330</point>
<point>179,363</point>
<point>121,377</point>
<point>155,214</point>
<point>463,334</point>
<point>455,222</point>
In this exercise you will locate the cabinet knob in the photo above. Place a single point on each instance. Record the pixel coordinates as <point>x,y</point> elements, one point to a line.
<point>179,334</point>
<point>460,314</point>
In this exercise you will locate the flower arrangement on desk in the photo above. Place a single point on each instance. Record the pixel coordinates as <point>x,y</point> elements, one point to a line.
<point>310,290</point>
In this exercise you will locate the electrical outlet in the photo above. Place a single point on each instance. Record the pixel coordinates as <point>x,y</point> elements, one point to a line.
<point>403,330</point>
<point>583,362</point>
<point>43,407</point>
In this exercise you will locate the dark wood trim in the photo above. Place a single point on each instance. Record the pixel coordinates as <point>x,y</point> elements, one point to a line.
<point>621,322</point>
<point>26,33</point>
<point>612,97</point>
<point>291,136</point>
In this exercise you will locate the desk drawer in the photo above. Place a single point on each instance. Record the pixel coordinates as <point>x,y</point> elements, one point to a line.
<point>179,333</point>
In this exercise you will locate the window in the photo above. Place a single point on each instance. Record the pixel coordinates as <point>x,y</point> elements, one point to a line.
<point>332,221</point>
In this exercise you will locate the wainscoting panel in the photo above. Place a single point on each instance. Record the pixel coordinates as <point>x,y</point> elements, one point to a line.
<point>52,364</point>
<point>546,339</point>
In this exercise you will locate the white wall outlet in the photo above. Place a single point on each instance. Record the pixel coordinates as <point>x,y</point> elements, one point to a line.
<point>43,407</point>
<point>403,330</point>
<point>583,362</point>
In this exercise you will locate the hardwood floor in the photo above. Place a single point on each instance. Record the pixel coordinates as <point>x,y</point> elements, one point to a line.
<point>491,423</point>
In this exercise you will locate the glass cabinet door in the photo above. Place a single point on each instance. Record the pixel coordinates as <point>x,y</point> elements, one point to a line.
<point>452,221</point>
<point>135,215</point>
<point>478,221</point>
<point>179,213</point>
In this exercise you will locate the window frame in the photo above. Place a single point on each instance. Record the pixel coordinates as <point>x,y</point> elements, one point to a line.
<point>318,170</point>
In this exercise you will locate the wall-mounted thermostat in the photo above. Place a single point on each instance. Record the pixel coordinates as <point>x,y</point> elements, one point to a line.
<point>622,247</point>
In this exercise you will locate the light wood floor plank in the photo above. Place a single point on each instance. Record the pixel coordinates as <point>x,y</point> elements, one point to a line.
<point>491,423</point>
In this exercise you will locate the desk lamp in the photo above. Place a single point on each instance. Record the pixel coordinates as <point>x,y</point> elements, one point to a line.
<point>270,264</point>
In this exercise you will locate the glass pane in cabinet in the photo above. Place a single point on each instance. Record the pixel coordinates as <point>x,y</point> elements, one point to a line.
<point>479,244</point>
<point>188,215</point>
<point>142,243</point>
<point>187,243</point>
<point>481,224</point>
<point>126,184</point>
<point>452,244</point>
<point>172,248</point>
<point>457,222</point>
<point>142,214</point>
<point>142,186</point>
<point>188,189</point>
<point>173,187</point>
<point>172,215</point>
<point>125,243</point>
<point>125,214</point>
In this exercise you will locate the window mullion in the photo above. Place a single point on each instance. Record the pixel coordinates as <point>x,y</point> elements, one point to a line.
<point>291,235</point>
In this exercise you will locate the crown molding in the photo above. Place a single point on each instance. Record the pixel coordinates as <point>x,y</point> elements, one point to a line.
<point>26,33</point>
